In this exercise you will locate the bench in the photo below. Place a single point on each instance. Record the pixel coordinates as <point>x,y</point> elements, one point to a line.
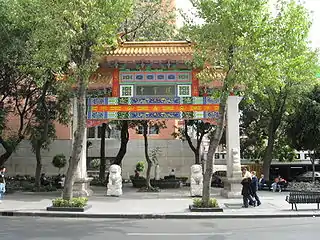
<point>303,197</point>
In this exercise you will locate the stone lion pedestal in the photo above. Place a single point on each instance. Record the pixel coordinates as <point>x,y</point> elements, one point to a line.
<point>114,187</point>
<point>196,181</point>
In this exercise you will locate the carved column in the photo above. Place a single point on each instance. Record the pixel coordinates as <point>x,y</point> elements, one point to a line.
<point>232,183</point>
<point>81,186</point>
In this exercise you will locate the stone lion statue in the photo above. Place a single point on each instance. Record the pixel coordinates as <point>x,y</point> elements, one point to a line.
<point>196,180</point>
<point>114,187</point>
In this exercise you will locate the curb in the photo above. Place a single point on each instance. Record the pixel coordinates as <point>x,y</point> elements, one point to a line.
<point>151,216</point>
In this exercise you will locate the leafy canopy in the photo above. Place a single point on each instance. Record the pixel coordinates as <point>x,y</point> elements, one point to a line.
<point>303,128</point>
<point>69,36</point>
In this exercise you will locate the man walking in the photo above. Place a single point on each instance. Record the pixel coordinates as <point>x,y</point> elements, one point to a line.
<point>254,185</point>
<point>246,183</point>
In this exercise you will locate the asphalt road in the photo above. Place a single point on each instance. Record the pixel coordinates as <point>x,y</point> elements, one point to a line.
<point>28,228</point>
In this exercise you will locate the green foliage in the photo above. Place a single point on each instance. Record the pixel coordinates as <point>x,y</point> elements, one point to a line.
<point>213,203</point>
<point>200,127</point>
<point>3,119</point>
<point>303,127</point>
<point>140,166</point>
<point>150,21</point>
<point>74,202</point>
<point>95,163</point>
<point>59,161</point>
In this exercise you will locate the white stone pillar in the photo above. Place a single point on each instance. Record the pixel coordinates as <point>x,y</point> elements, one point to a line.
<point>232,131</point>
<point>81,186</point>
<point>232,184</point>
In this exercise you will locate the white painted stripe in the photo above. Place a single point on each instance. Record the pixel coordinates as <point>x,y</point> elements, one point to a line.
<point>177,234</point>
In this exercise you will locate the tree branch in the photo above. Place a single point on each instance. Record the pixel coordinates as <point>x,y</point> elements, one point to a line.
<point>188,137</point>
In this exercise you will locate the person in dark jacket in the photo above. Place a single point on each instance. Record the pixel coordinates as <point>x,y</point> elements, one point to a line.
<point>246,190</point>
<point>254,188</point>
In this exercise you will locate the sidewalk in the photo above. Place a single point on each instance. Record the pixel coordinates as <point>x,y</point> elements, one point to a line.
<point>171,203</point>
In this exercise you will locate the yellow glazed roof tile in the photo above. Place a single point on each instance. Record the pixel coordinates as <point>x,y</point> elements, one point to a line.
<point>154,48</point>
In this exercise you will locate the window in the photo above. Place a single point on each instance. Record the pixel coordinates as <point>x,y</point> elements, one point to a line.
<point>126,91</point>
<point>91,132</point>
<point>96,132</point>
<point>151,130</point>
<point>184,90</point>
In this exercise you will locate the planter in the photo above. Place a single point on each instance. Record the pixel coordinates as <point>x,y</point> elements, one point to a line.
<point>183,180</point>
<point>162,183</point>
<point>68,209</point>
<point>201,209</point>
<point>165,184</point>
<point>138,182</point>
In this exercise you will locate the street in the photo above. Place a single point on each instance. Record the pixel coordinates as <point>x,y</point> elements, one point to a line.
<point>28,228</point>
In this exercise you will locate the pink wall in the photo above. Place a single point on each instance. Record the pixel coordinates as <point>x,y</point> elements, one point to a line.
<point>12,126</point>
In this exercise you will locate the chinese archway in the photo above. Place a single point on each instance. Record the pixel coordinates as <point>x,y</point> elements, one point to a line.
<point>149,80</point>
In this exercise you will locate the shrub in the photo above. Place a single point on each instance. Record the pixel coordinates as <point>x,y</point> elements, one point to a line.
<point>213,203</point>
<point>74,202</point>
<point>95,163</point>
<point>140,166</point>
<point>59,161</point>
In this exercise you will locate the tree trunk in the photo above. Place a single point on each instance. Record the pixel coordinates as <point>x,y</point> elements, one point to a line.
<point>188,138</point>
<point>44,135</point>
<point>124,142</point>
<point>8,149</point>
<point>102,172</point>
<point>78,139</point>
<point>38,167</point>
<point>267,158</point>
<point>214,143</point>
<point>146,154</point>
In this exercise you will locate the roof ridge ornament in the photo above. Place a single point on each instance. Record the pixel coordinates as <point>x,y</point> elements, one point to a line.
<point>120,38</point>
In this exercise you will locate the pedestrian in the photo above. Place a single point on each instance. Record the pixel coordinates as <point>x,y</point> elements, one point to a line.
<point>2,173</point>
<point>2,188</point>
<point>254,188</point>
<point>246,181</point>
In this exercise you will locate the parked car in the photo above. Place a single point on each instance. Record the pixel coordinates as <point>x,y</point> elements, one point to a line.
<point>307,177</point>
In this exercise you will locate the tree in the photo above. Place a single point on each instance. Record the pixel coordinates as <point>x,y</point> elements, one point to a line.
<point>18,92</point>
<point>303,128</point>
<point>42,131</point>
<point>146,124</point>
<point>76,33</point>
<point>102,167</point>
<point>49,108</point>
<point>253,130</point>
<point>201,128</point>
<point>294,73</point>
<point>152,20</point>
<point>124,139</point>
<point>242,45</point>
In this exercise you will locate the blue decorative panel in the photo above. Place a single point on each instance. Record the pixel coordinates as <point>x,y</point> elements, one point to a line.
<point>150,77</point>
<point>155,100</point>
<point>210,100</point>
<point>161,76</point>
<point>139,77</point>
<point>97,101</point>
<point>163,115</point>
<point>171,76</point>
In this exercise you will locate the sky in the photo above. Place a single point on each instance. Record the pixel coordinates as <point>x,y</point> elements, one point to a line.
<point>312,5</point>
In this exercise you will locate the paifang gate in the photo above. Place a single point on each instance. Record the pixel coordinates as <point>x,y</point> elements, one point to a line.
<point>151,80</point>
